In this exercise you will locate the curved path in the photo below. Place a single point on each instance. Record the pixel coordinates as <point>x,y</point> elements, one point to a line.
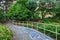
<point>23,33</point>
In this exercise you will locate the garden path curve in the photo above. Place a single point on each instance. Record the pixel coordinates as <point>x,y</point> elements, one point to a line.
<point>23,33</point>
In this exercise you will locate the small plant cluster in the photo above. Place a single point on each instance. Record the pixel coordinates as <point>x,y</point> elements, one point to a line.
<point>5,33</point>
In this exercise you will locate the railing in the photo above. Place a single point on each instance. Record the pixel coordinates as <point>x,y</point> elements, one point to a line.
<point>52,30</point>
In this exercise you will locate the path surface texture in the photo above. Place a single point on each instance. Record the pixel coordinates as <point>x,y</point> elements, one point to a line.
<point>23,33</point>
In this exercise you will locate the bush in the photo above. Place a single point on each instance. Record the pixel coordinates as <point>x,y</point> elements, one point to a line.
<point>2,16</point>
<point>35,17</point>
<point>5,33</point>
<point>19,11</point>
<point>23,1</point>
<point>31,5</point>
<point>49,20</point>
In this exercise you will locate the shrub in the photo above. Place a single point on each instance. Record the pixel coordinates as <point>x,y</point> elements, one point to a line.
<point>19,11</point>
<point>5,33</point>
<point>50,20</point>
<point>31,5</point>
<point>2,15</point>
<point>35,17</point>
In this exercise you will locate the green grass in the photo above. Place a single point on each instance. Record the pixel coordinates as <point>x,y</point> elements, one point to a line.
<point>5,33</point>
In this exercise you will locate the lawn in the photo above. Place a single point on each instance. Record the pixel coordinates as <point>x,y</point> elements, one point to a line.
<point>5,33</point>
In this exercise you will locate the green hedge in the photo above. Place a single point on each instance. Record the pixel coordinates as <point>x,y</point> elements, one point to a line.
<point>5,33</point>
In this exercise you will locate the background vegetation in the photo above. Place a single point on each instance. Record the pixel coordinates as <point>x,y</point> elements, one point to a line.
<point>25,10</point>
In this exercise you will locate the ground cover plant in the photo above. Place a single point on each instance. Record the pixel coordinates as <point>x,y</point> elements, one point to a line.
<point>5,33</point>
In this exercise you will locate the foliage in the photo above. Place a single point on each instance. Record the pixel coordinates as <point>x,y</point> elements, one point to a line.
<point>5,33</point>
<point>36,16</point>
<point>19,11</point>
<point>57,9</point>
<point>31,5</point>
<point>24,9</point>
<point>46,6</point>
<point>2,16</point>
<point>49,20</point>
<point>22,1</point>
<point>1,13</point>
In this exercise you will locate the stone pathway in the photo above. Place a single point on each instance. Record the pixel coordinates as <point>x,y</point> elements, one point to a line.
<point>23,33</point>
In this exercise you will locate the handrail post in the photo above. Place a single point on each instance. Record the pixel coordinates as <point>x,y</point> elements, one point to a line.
<point>37,27</point>
<point>56,33</point>
<point>44,28</point>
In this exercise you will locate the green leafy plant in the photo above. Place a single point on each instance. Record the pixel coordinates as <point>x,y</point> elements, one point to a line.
<point>2,16</point>
<point>5,33</point>
<point>19,11</point>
